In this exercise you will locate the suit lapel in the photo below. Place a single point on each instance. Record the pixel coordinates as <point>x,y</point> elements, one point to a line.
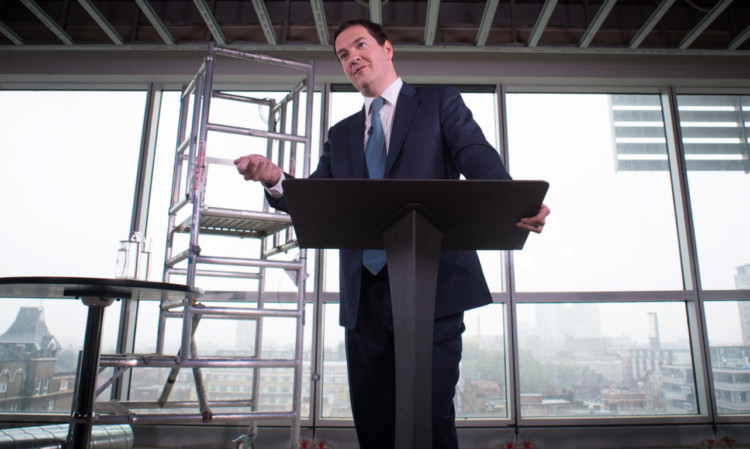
<point>405,108</point>
<point>356,140</point>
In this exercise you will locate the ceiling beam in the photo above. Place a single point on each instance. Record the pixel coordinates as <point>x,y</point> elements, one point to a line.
<point>650,23</point>
<point>10,34</point>
<point>490,9</point>
<point>704,23</point>
<point>430,25</point>
<point>265,22</point>
<point>211,23</point>
<point>319,14</point>
<point>599,19</point>
<point>48,21</point>
<point>101,21</point>
<point>737,41</point>
<point>155,21</point>
<point>541,22</point>
<point>376,11</point>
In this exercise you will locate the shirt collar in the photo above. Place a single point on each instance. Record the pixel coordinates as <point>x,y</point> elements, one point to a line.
<point>390,94</point>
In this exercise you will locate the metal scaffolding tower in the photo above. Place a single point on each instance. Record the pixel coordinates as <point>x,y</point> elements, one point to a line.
<point>191,216</point>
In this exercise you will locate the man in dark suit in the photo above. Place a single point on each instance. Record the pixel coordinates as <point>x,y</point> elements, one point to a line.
<point>429,133</point>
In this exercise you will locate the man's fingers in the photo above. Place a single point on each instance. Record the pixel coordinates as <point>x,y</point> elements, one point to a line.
<point>257,168</point>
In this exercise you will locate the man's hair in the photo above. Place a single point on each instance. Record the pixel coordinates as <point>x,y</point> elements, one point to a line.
<point>375,29</point>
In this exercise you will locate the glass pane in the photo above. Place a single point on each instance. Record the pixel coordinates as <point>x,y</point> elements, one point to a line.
<point>606,212</point>
<point>715,135</point>
<point>605,359</point>
<point>68,175</point>
<point>729,340</point>
<point>482,391</point>
<point>335,382</point>
<point>69,169</point>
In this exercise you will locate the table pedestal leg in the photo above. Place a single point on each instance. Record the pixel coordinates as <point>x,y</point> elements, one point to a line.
<point>81,421</point>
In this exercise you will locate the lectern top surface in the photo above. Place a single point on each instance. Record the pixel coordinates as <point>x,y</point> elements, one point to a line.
<point>352,213</point>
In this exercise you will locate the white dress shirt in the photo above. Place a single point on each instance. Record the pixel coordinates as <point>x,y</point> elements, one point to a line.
<point>390,95</point>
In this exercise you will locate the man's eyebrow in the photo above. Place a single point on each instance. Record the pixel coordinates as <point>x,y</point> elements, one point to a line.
<point>359,39</point>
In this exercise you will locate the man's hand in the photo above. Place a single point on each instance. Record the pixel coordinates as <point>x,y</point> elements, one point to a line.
<point>258,168</point>
<point>535,223</point>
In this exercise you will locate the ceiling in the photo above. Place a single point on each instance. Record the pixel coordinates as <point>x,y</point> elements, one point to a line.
<point>681,26</point>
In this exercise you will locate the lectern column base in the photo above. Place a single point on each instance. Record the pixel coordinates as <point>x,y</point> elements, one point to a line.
<point>413,244</point>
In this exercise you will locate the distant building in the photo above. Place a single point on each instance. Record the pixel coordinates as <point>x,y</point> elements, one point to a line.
<point>31,380</point>
<point>624,401</point>
<point>731,368</point>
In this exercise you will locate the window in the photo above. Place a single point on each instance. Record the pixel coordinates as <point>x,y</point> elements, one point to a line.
<point>729,340</point>
<point>605,218</point>
<point>335,405</point>
<point>79,165</point>
<point>605,359</point>
<point>716,137</point>
<point>482,386</point>
<point>69,178</point>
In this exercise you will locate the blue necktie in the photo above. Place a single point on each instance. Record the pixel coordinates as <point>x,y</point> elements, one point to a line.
<point>374,259</point>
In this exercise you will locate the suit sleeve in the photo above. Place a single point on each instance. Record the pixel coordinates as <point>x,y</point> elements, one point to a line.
<point>322,171</point>
<point>469,150</point>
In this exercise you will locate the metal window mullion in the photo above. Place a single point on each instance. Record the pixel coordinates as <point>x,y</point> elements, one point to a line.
<point>703,375</point>
<point>316,356</point>
<point>512,376</point>
<point>299,349</point>
<point>743,132</point>
<point>138,223</point>
<point>310,103</point>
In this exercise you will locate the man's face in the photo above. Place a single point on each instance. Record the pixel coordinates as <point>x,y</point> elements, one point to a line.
<point>368,66</point>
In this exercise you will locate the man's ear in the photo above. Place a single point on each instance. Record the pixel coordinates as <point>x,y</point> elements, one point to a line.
<point>388,48</point>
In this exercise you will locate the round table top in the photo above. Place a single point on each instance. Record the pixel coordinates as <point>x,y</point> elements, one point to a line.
<point>78,287</point>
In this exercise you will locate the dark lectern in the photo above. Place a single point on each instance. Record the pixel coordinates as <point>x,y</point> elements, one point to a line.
<point>413,220</point>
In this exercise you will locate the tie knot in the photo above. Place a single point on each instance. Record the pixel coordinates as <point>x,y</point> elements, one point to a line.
<point>377,104</point>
